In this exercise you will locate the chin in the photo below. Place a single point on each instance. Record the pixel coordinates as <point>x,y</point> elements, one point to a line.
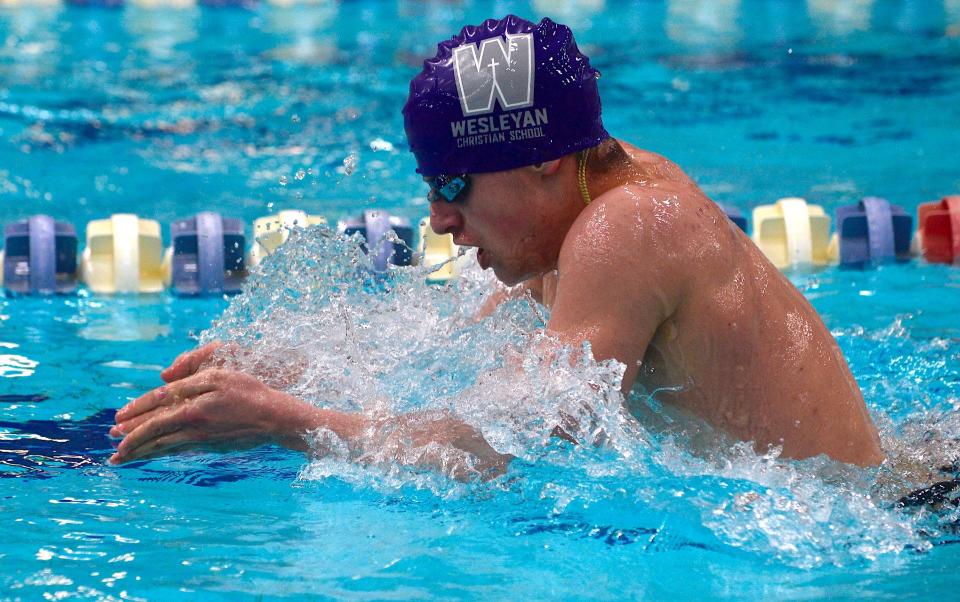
<point>507,278</point>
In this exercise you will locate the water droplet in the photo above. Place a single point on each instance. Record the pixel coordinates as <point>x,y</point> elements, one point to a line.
<point>283,180</point>
<point>350,164</point>
<point>300,174</point>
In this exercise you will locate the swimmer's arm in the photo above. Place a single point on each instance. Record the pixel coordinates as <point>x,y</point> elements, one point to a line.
<point>436,440</point>
<point>220,410</point>
<point>615,294</point>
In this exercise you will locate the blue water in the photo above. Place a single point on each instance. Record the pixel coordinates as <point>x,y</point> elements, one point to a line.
<point>166,113</point>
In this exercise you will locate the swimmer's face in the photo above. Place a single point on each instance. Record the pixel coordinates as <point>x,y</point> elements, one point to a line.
<point>507,216</point>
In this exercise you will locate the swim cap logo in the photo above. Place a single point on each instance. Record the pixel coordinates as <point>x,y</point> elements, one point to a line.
<point>503,69</point>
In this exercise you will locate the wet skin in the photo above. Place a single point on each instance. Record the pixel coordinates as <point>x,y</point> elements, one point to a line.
<point>652,273</point>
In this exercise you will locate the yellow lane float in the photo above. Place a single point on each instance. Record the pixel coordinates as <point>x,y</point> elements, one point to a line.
<point>124,254</point>
<point>273,230</point>
<point>436,249</point>
<point>792,234</point>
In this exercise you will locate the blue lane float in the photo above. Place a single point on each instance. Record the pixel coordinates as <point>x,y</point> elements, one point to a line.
<point>206,255</point>
<point>735,216</point>
<point>872,232</point>
<point>39,256</point>
<point>375,226</point>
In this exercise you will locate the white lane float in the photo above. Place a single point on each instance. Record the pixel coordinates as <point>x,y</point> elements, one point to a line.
<point>436,249</point>
<point>271,231</point>
<point>124,254</point>
<point>792,234</point>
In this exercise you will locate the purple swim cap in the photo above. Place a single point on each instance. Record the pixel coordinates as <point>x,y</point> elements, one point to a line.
<point>505,94</point>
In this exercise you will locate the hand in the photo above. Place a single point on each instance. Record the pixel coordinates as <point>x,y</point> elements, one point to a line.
<point>212,409</point>
<point>217,354</point>
<point>190,362</point>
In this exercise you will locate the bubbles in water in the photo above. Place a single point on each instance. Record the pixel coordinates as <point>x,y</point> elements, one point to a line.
<point>317,321</point>
<point>301,174</point>
<point>283,180</point>
<point>350,164</point>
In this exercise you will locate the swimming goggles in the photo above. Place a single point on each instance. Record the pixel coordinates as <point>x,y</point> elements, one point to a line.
<point>448,188</point>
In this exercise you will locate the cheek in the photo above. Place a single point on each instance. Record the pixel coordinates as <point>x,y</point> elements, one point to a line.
<point>510,237</point>
<point>503,221</point>
<point>511,227</point>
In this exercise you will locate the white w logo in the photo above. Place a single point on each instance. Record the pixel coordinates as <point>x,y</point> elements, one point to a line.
<point>506,72</point>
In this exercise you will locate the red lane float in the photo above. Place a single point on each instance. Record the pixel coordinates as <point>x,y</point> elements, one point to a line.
<point>938,229</point>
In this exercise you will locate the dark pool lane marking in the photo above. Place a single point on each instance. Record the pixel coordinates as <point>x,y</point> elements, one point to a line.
<point>35,398</point>
<point>36,448</point>
<point>40,449</point>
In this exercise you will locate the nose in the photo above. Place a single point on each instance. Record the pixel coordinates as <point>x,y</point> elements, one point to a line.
<point>445,218</point>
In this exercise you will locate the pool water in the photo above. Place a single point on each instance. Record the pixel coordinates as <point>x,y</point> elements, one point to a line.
<point>249,111</point>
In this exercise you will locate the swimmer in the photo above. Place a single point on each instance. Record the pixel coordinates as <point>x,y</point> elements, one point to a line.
<point>622,247</point>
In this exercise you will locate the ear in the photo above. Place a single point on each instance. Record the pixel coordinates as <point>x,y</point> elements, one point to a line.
<point>547,168</point>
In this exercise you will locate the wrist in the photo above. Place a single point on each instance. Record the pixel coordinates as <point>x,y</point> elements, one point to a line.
<point>296,418</point>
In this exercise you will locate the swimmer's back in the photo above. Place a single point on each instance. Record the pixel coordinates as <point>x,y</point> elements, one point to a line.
<point>742,347</point>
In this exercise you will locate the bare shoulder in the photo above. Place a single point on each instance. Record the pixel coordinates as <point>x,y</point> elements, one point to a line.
<point>623,245</point>
<point>632,221</point>
<point>658,168</point>
<point>618,281</point>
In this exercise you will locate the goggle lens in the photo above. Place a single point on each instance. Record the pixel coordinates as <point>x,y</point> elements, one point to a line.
<point>448,188</point>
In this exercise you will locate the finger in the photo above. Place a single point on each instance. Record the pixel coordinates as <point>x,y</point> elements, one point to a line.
<point>147,434</point>
<point>145,403</point>
<point>162,446</point>
<point>166,395</point>
<point>127,426</point>
<point>189,362</point>
<point>169,450</point>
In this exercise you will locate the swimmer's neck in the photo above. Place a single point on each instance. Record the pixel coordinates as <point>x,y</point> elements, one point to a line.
<point>615,164</point>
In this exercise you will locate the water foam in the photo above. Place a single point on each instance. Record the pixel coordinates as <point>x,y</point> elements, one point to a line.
<point>321,324</point>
